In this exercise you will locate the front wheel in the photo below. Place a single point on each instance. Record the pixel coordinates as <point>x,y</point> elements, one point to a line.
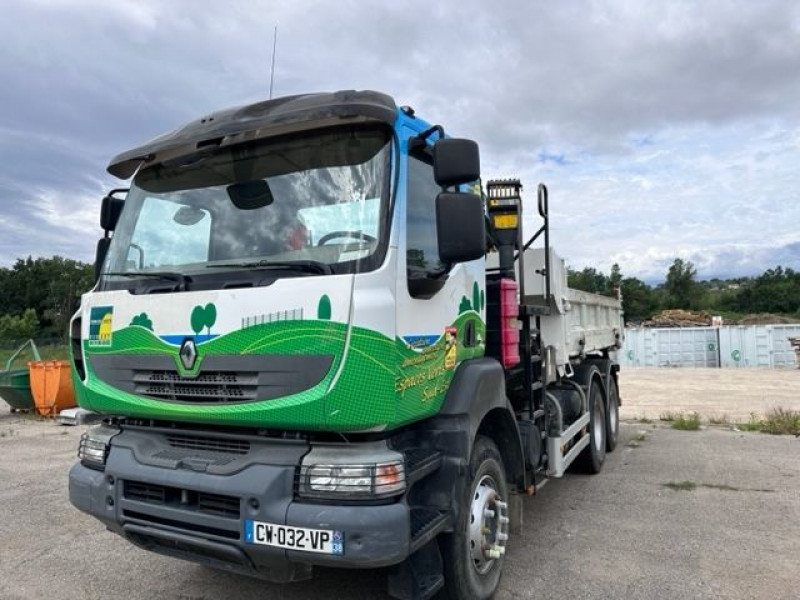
<point>474,553</point>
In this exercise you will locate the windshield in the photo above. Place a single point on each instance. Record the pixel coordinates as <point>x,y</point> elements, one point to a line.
<point>319,199</point>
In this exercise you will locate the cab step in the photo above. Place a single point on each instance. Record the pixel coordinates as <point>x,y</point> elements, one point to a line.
<point>421,462</point>
<point>426,524</point>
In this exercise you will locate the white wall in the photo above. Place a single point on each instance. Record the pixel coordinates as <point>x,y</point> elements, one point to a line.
<point>732,346</point>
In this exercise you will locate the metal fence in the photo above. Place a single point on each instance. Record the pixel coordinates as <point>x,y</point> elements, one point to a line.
<point>729,346</point>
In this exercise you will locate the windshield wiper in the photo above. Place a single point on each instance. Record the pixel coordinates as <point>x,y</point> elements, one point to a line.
<point>308,266</point>
<point>179,278</point>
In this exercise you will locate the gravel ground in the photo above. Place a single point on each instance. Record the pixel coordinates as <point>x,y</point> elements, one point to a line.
<point>620,534</point>
<point>717,393</point>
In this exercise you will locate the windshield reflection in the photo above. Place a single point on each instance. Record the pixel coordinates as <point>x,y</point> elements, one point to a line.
<point>315,199</point>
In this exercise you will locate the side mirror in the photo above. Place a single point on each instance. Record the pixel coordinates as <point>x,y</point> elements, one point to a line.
<point>100,255</point>
<point>460,227</point>
<point>456,161</point>
<point>110,210</point>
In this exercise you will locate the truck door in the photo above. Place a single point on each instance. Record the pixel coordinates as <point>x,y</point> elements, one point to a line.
<point>440,308</point>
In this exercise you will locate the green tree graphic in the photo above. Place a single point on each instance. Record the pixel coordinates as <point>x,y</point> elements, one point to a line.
<point>476,297</point>
<point>203,317</point>
<point>142,320</point>
<point>483,300</point>
<point>211,316</point>
<point>324,308</point>
<point>465,305</point>
<point>198,319</point>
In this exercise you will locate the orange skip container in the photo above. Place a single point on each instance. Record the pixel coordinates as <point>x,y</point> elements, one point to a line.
<point>51,386</point>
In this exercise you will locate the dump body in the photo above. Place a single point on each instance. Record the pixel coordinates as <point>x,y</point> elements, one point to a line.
<point>575,323</point>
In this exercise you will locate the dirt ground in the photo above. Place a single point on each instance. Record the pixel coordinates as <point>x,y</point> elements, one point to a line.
<point>730,530</point>
<point>713,393</point>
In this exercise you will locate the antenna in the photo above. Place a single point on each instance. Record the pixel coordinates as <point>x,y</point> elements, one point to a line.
<point>272,70</point>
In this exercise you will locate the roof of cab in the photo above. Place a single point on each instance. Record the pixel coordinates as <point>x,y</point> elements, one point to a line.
<point>254,121</point>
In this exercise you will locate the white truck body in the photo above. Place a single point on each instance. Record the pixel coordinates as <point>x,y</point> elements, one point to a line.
<point>579,322</point>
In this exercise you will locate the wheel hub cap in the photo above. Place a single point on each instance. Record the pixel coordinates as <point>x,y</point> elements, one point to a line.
<point>488,525</point>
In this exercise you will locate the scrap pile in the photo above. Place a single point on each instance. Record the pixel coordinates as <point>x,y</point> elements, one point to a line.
<point>766,319</point>
<point>679,318</point>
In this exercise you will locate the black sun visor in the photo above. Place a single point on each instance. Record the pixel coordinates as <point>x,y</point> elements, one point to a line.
<point>259,120</point>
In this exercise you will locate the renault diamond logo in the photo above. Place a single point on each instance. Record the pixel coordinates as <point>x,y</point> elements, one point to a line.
<point>188,353</point>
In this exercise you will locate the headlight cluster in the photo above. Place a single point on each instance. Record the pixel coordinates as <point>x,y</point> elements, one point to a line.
<point>363,471</point>
<point>94,446</point>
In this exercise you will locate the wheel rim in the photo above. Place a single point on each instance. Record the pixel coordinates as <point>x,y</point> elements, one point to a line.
<point>612,412</point>
<point>487,526</point>
<point>599,424</point>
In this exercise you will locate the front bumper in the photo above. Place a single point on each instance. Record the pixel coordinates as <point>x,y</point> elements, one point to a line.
<point>203,517</point>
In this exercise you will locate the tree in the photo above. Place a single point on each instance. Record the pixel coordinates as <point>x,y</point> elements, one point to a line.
<point>638,300</point>
<point>682,291</point>
<point>19,327</point>
<point>775,291</point>
<point>588,280</point>
<point>465,305</point>
<point>476,297</point>
<point>50,286</point>
<point>614,279</point>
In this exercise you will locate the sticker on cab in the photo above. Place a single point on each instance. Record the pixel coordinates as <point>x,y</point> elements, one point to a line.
<point>100,325</point>
<point>450,347</point>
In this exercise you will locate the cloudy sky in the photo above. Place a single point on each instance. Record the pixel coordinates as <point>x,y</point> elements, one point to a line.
<point>662,129</point>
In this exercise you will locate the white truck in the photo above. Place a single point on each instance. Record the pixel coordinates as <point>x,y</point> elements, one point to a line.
<point>318,339</point>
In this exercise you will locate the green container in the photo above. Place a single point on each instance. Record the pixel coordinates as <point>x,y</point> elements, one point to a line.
<point>15,384</point>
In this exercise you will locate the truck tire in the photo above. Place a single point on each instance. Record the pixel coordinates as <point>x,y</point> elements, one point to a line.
<point>472,572</point>
<point>592,457</point>
<point>612,414</point>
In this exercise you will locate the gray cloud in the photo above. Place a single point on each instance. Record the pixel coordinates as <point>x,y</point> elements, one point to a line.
<point>595,86</point>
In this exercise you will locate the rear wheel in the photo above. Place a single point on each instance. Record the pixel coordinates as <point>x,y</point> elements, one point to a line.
<point>592,457</point>
<point>612,414</point>
<point>474,553</point>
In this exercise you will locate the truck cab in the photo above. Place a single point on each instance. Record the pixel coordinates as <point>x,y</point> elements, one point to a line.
<point>288,340</point>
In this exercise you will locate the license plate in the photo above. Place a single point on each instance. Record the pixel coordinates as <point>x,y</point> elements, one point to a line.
<point>322,541</point>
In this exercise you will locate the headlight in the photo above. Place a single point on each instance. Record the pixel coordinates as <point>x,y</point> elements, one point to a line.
<point>358,471</point>
<point>94,446</point>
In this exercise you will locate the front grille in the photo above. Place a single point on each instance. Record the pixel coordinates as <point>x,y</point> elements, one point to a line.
<point>190,442</point>
<point>143,492</point>
<point>217,505</point>
<point>210,386</point>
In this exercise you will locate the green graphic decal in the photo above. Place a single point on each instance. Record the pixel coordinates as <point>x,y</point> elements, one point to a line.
<point>100,324</point>
<point>142,320</point>
<point>383,384</point>
<point>324,308</point>
<point>203,317</point>
<point>736,355</point>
